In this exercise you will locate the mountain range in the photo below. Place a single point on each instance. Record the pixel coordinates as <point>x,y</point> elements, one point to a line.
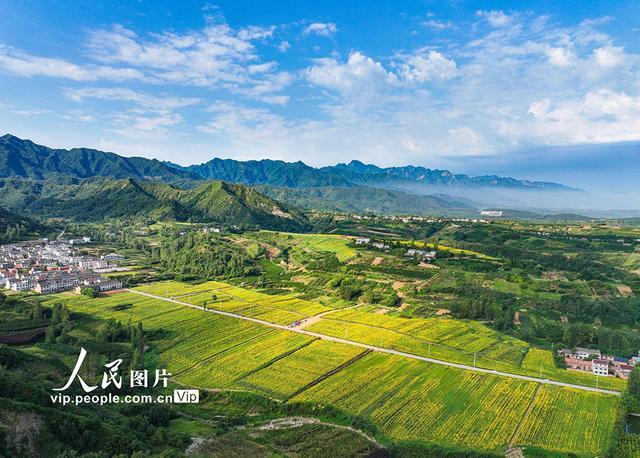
<point>355,173</point>
<point>23,158</point>
<point>89,184</point>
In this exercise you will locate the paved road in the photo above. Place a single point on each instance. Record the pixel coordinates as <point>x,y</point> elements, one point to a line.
<point>379,349</point>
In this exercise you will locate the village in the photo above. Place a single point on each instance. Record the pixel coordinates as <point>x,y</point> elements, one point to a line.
<point>422,255</point>
<point>593,361</point>
<point>52,266</point>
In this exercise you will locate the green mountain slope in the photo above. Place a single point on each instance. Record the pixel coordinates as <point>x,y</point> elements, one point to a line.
<point>14,226</point>
<point>97,199</point>
<point>25,159</point>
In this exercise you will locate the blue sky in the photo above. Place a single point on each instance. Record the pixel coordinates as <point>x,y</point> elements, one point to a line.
<point>467,85</point>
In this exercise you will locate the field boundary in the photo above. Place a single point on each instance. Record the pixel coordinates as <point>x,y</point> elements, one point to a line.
<point>328,374</point>
<point>276,359</point>
<point>514,436</point>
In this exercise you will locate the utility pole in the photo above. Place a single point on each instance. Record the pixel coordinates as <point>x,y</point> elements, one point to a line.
<point>474,360</point>
<point>540,369</point>
<point>429,348</point>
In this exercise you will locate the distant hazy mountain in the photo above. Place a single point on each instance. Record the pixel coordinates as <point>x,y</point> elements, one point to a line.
<point>361,199</point>
<point>25,159</point>
<point>99,198</point>
<point>355,173</point>
<point>407,189</point>
<point>266,171</point>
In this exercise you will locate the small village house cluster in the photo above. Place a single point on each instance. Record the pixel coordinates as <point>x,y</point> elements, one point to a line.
<point>592,360</point>
<point>52,266</point>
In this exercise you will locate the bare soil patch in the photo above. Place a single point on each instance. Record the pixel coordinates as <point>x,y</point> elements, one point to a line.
<point>308,322</point>
<point>441,312</point>
<point>625,290</point>
<point>377,261</point>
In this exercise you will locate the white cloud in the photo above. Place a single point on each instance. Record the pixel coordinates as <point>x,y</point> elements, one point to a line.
<point>432,67</point>
<point>18,63</point>
<point>359,73</point>
<point>149,102</point>
<point>609,56</point>
<point>560,57</point>
<point>495,18</point>
<point>217,56</point>
<point>601,116</point>
<point>322,29</point>
<point>283,46</point>
<point>438,25</point>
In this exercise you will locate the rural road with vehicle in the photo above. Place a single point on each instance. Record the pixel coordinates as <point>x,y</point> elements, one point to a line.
<point>378,349</point>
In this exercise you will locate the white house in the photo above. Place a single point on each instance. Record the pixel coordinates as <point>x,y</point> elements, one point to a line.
<point>600,366</point>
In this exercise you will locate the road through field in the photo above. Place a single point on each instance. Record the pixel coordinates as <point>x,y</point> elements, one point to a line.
<point>378,349</point>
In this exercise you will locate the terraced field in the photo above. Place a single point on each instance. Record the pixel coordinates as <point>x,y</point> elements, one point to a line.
<point>406,399</point>
<point>280,309</point>
<point>468,336</point>
<point>465,342</point>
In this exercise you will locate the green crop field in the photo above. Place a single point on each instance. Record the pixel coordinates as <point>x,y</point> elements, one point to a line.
<point>469,336</point>
<point>411,400</point>
<point>288,375</point>
<point>281,309</point>
<point>406,399</point>
<point>569,420</point>
<point>437,337</point>
<point>336,244</point>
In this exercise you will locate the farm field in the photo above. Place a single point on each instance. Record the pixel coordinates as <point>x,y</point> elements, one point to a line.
<point>440,247</point>
<point>412,400</point>
<point>286,376</point>
<point>336,244</point>
<point>468,336</point>
<point>579,421</point>
<point>441,338</point>
<point>405,399</point>
<point>281,309</point>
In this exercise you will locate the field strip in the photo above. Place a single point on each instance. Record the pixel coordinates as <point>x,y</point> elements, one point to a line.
<point>242,342</point>
<point>524,417</point>
<point>253,304</point>
<point>381,349</point>
<point>420,339</point>
<point>329,374</point>
<point>278,358</point>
